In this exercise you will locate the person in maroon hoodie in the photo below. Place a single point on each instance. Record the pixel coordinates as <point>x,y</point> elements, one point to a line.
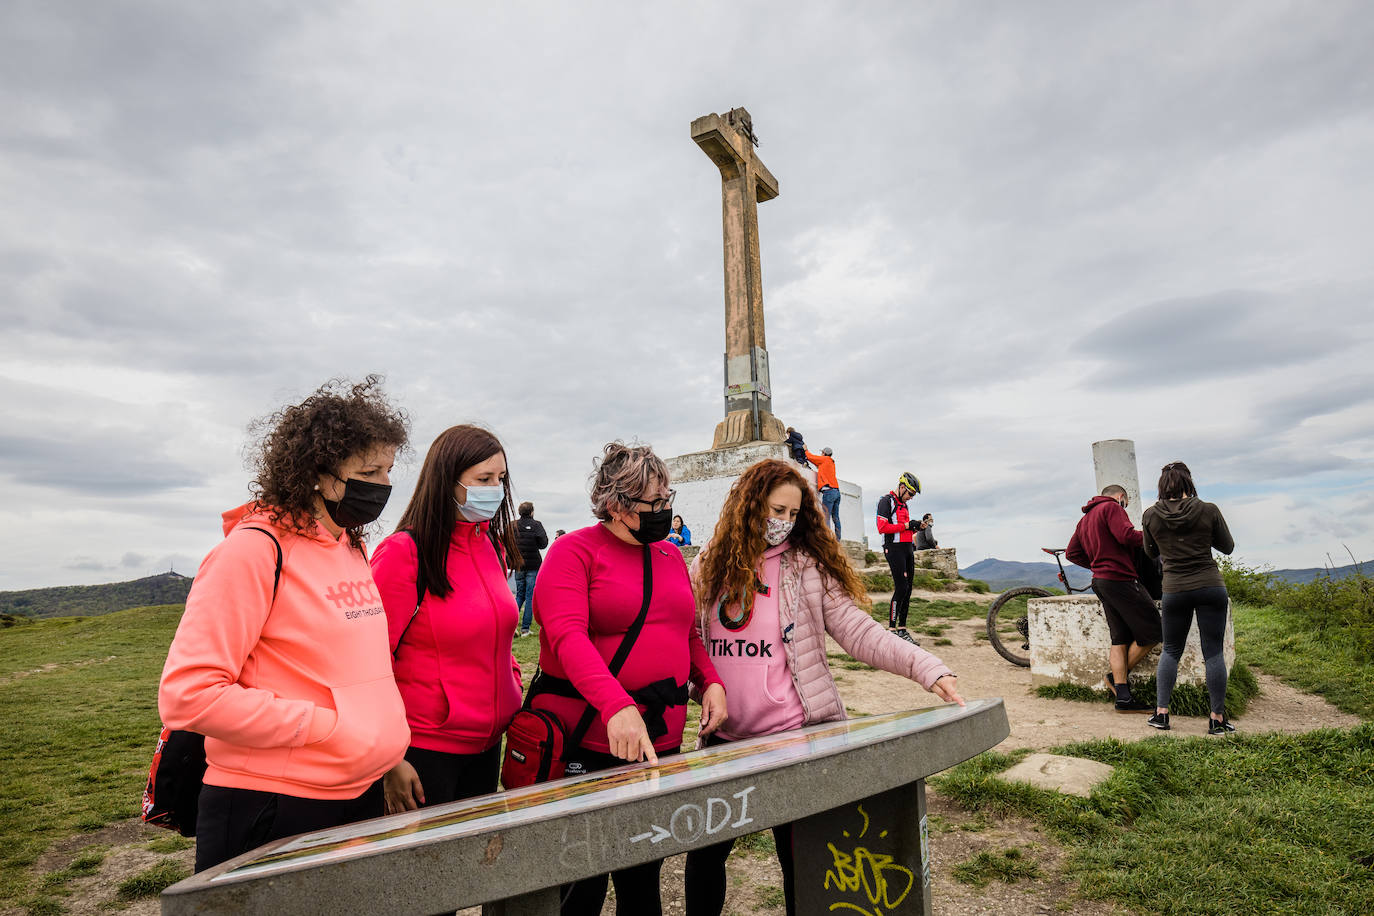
<point>1106,542</point>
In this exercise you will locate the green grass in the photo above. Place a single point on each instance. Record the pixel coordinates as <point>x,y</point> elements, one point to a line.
<point>1188,699</point>
<point>1005,865</point>
<point>78,737</point>
<point>1254,823</point>
<point>1281,643</point>
<point>152,881</point>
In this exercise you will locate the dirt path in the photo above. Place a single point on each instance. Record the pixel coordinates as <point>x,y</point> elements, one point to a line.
<point>956,835</point>
<point>1041,723</point>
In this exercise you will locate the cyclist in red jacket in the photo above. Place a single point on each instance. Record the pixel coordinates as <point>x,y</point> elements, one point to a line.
<point>897,527</point>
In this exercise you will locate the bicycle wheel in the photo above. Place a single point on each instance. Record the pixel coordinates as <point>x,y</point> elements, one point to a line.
<point>1009,620</point>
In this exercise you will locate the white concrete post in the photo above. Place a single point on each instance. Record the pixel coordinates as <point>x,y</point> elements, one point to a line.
<point>1114,463</point>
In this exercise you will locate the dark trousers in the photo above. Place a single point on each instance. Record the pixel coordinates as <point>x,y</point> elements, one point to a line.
<point>636,888</point>
<point>901,559</point>
<point>448,777</point>
<point>233,821</point>
<point>705,874</point>
<point>1210,605</point>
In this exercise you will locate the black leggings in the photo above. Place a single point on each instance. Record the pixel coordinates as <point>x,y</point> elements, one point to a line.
<point>233,821</point>
<point>448,777</point>
<point>1210,605</point>
<point>901,559</point>
<point>637,887</point>
<point>705,874</point>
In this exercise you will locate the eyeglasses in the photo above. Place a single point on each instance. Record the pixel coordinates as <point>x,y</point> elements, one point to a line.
<point>657,505</point>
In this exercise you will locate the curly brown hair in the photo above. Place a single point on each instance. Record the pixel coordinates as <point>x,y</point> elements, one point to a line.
<point>298,443</point>
<point>729,560</point>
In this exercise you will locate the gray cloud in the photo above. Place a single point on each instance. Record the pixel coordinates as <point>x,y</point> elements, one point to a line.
<point>1003,231</point>
<point>120,465</point>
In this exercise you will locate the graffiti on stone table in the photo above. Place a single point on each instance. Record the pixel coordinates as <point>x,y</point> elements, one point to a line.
<point>691,821</point>
<point>863,877</point>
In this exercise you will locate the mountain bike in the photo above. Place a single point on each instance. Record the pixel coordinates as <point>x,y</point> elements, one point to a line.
<point>1010,615</point>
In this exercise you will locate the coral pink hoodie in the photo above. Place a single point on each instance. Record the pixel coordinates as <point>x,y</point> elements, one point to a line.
<point>455,669</point>
<point>294,695</point>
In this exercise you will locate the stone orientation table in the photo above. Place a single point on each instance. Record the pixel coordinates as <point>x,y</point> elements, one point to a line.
<point>855,789</point>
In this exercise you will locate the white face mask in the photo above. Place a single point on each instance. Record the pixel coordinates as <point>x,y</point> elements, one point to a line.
<point>482,503</point>
<point>776,530</point>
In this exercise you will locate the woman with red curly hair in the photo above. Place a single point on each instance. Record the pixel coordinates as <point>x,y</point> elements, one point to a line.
<point>769,586</point>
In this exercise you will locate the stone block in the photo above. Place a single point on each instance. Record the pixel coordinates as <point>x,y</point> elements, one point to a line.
<point>1070,642</point>
<point>1057,773</point>
<point>940,559</point>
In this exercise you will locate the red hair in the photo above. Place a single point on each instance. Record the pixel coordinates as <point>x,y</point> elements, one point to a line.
<point>729,560</point>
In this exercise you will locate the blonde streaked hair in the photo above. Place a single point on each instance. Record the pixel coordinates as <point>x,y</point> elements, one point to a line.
<point>624,472</point>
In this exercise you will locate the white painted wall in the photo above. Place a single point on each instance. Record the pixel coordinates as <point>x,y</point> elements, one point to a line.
<point>700,498</point>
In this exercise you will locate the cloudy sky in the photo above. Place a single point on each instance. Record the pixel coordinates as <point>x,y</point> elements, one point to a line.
<point>1005,231</point>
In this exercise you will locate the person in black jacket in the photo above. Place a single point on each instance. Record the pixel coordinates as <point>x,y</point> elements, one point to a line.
<point>1182,530</point>
<point>530,536</point>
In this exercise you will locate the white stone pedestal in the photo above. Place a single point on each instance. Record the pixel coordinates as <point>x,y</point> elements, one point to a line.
<point>1070,642</point>
<point>704,479</point>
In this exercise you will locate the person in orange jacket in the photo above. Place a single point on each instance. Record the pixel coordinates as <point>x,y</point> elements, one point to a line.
<point>829,486</point>
<point>284,668</point>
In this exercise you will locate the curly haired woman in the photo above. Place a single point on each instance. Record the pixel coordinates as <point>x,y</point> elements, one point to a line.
<point>283,668</point>
<point>770,584</point>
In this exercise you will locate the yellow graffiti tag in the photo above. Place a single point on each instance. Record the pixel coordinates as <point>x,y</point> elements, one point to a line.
<point>883,882</point>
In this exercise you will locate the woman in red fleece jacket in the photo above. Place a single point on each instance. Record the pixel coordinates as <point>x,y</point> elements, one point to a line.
<point>452,651</point>
<point>588,595</point>
<point>288,678</point>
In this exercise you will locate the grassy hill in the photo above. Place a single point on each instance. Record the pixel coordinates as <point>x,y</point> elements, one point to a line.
<point>94,600</point>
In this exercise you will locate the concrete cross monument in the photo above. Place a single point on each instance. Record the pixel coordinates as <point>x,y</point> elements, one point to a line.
<point>745,182</point>
<point>750,432</point>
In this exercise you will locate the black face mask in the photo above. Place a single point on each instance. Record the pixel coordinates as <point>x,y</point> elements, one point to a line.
<point>653,526</point>
<point>362,503</point>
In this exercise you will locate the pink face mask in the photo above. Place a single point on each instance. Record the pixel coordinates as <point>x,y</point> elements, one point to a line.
<point>776,530</point>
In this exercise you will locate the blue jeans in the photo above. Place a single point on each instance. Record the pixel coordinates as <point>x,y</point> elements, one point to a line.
<point>830,501</point>
<point>524,596</point>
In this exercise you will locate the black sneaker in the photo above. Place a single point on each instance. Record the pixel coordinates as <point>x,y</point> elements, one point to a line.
<point>1159,720</point>
<point>1220,727</point>
<point>1133,705</point>
<point>1110,682</point>
<point>901,631</point>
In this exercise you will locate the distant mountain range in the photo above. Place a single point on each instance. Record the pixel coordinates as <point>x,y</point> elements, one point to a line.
<point>93,600</point>
<point>1001,575</point>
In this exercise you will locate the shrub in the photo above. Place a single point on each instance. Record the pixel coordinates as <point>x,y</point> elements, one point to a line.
<point>877,582</point>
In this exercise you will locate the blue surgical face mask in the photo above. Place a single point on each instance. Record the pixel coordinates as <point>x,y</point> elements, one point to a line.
<point>482,503</point>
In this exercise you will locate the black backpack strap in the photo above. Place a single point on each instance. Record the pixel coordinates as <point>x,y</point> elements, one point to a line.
<point>623,651</point>
<point>276,575</point>
<point>421,586</point>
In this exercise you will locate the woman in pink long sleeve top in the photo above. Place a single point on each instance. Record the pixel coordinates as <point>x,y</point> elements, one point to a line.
<point>770,585</point>
<point>589,593</point>
<point>451,651</point>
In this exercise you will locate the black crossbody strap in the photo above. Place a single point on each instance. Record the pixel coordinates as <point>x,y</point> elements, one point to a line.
<point>622,652</point>
<point>276,574</point>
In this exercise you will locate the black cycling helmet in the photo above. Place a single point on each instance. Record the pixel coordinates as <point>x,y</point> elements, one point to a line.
<point>910,481</point>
